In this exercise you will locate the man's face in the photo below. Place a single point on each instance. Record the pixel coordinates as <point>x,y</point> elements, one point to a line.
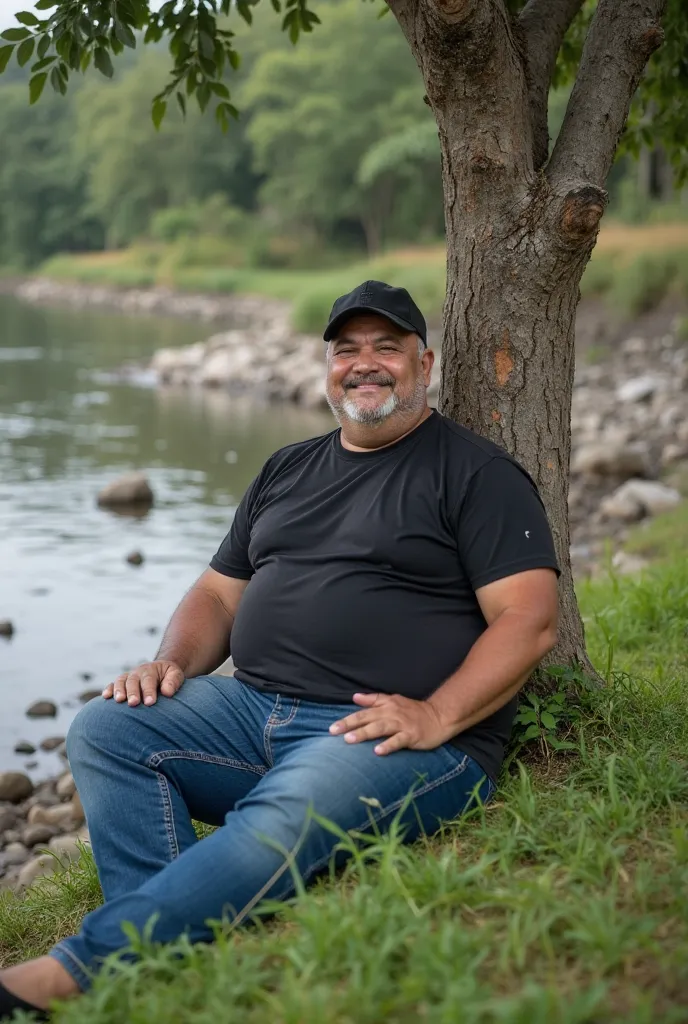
<point>374,371</point>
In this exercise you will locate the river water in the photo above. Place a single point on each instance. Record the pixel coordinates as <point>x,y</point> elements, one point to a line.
<point>69,424</point>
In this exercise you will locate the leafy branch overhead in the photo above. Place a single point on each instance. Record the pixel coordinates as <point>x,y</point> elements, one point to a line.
<point>76,35</point>
<point>203,49</point>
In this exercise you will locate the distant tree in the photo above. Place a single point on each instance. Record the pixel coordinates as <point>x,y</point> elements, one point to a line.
<point>521,219</point>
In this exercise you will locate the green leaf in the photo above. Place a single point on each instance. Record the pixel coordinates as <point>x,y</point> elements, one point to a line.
<point>207,45</point>
<point>15,35</point>
<point>85,61</point>
<point>25,52</point>
<point>36,86</point>
<point>203,95</point>
<point>158,111</point>
<point>5,54</point>
<point>527,716</point>
<point>27,18</point>
<point>531,733</point>
<point>234,59</point>
<point>45,5</point>
<point>220,89</point>
<point>294,30</point>
<point>44,63</point>
<point>101,59</point>
<point>57,81</point>
<point>548,720</point>
<point>43,45</point>
<point>277,5</point>
<point>125,35</point>
<point>181,100</point>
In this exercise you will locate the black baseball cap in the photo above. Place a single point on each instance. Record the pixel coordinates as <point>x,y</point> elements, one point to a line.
<point>377,297</point>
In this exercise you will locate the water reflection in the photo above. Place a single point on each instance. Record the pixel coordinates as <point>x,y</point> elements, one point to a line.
<point>68,424</point>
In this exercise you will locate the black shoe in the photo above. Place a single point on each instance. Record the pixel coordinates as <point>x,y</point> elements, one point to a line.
<point>9,1003</point>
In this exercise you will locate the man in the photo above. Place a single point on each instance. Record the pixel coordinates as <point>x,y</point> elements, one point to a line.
<point>385,590</point>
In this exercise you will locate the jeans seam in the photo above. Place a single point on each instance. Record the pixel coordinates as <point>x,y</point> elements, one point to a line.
<point>447,777</point>
<point>168,814</point>
<point>76,968</point>
<point>193,755</point>
<point>273,722</point>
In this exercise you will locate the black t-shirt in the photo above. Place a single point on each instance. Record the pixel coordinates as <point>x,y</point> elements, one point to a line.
<point>364,566</point>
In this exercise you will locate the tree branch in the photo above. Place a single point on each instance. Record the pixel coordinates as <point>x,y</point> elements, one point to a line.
<point>543,25</point>
<point>622,37</point>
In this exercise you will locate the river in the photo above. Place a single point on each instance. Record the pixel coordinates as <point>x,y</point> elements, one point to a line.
<point>69,424</point>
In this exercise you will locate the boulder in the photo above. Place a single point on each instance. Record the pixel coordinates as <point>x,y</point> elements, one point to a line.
<point>626,564</point>
<point>66,787</point>
<point>37,867</point>
<point>14,854</point>
<point>32,835</point>
<point>52,743</point>
<point>24,747</point>
<point>134,558</point>
<point>42,709</point>
<point>637,498</point>
<point>129,489</point>
<point>605,458</point>
<point>6,627</point>
<point>15,786</point>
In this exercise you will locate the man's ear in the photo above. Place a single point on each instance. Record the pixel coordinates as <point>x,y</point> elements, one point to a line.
<point>428,361</point>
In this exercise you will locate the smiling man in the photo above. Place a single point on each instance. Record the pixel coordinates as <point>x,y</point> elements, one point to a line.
<point>385,590</point>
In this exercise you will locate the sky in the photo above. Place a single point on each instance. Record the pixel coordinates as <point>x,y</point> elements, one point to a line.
<point>8,8</point>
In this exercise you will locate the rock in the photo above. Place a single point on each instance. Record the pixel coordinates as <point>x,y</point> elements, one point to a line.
<point>37,867</point>
<point>6,627</point>
<point>638,389</point>
<point>62,816</point>
<point>15,786</point>
<point>626,564</point>
<point>87,676</point>
<point>30,765</point>
<point>609,459</point>
<point>67,848</point>
<point>86,695</point>
<point>32,835</point>
<point>42,709</point>
<point>637,498</point>
<point>8,818</point>
<point>14,854</point>
<point>52,743</point>
<point>24,747</point>
<point>12,836</point>
<point>135,558</point>
<point>77,809</point>
<point>66,787</point>
<point>674,452</point>
<point>130,489</point>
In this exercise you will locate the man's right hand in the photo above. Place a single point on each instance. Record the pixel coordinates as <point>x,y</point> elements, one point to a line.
<point>143,683</point>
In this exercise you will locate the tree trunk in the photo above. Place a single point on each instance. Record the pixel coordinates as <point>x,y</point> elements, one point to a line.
<point>521,225</point>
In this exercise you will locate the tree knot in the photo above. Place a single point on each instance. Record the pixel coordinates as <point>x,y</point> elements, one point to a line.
<point>503,360</point>
<point>581,213</point>
<point>650,40</point>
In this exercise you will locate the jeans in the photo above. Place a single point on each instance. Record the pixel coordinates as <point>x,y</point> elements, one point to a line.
<point>252,763</point>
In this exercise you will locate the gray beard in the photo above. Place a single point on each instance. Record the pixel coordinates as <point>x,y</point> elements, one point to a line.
<point>374,416</point>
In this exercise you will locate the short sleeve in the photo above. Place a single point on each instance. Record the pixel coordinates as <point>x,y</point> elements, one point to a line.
<point>501,525</point>
<point>231,558</point>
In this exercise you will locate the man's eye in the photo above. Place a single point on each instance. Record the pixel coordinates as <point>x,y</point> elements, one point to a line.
<point>344,352</point>
<point>388,348</point>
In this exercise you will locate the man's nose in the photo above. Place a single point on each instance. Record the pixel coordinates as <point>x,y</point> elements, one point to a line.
<point>365,361</point>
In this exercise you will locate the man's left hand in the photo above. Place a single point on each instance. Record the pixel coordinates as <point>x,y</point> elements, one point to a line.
<point>406,723</point>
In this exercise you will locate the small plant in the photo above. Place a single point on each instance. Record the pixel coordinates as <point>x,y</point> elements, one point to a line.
<point>549,718</point>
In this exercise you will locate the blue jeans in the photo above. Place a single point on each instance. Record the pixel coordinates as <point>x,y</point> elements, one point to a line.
<point>253,764</point>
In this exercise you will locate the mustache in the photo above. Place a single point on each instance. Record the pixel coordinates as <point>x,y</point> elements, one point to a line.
<point>381,379</point>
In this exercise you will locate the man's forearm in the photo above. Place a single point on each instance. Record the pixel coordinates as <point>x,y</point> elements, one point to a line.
<point>197,637</point>
<point>494,670</point>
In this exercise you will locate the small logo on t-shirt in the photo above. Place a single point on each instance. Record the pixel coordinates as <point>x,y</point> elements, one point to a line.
<point>528,534</point>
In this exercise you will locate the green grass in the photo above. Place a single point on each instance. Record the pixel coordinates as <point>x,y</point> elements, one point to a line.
<point>564,901</point>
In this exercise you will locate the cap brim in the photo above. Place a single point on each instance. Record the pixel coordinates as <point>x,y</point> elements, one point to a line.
<point>333,327</point>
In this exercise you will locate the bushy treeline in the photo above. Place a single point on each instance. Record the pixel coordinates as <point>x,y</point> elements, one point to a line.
<point>334,148</point>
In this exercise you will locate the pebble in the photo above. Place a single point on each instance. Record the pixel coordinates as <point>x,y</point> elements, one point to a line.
<point>42,709</point>
<point>6,627</point>
<point>135,558</point>
<point>12,835</point>
<point>87,676</point>
<point>52,742</point>
<point>66,847</point>
<point>8,818</point>
<point>62,815</point>
<point>15,786</point>
<point>86,695</point>
<point>24,747</point>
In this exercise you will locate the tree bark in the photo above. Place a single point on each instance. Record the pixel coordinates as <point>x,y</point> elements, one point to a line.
<point>518,236</point>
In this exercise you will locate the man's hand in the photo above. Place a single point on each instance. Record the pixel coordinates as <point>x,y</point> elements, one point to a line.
<point>143,683</point>
<point>407,723</point>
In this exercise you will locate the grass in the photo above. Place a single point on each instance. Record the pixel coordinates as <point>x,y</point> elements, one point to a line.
<point>634,268</point>
<point>564,901</point>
